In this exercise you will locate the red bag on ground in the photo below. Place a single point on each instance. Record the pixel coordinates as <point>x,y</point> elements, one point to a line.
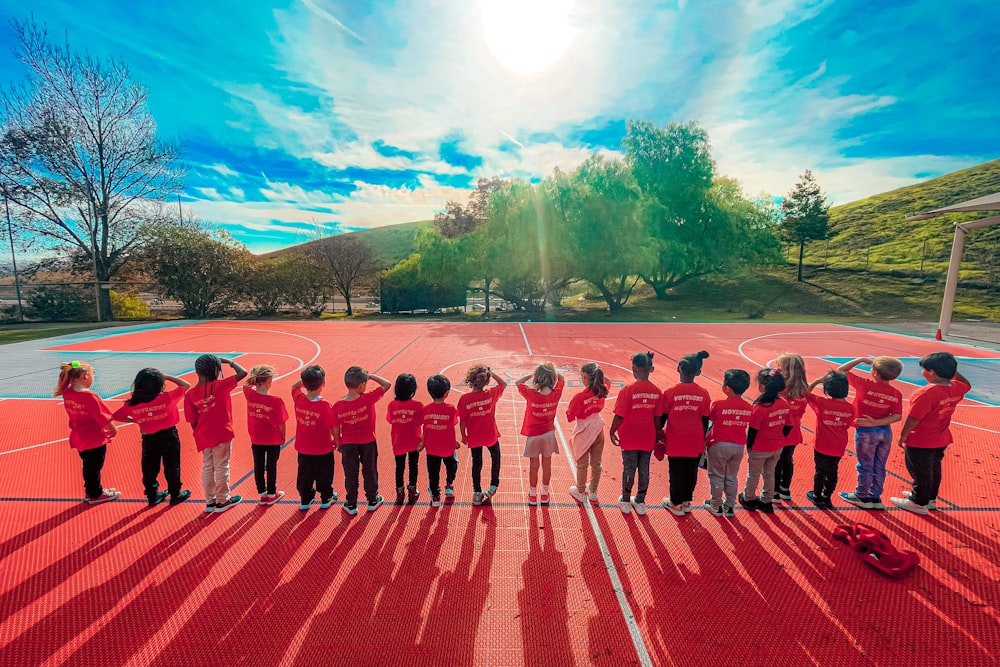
<point>874,548</point>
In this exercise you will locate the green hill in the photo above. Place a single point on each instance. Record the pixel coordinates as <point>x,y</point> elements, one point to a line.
<point>872,233</point>
<point>391,243</point>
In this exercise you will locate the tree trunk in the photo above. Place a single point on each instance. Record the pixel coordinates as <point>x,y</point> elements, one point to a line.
<point>347,299</point>
<point>486,294</point>
<point>802,249</point>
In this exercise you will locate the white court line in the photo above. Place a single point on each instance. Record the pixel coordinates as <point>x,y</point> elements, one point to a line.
<point>525,337</point>
<point>609,565</point>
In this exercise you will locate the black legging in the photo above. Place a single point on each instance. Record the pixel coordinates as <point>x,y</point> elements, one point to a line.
<point>477,466</point>
<point>265,467</point>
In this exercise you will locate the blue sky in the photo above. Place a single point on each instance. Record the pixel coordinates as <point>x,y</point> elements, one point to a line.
<point>324,115</point>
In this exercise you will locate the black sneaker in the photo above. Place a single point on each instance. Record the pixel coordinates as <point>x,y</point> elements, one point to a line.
<point>766,508</point>
<point>232,501</point>
<point>400,495</point>
<point>375,504</point>
<point>159,498</point>
<point>180,497</point>
<point>753,504</point>
<point>816,499</point>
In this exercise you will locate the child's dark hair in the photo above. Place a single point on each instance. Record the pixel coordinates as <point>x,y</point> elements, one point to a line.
<point>595,379</point>
<point>355,377</point>
<point>773,382</point>
<point>690,364</point>
<point>642,360</point>
<point>835,385</point>
<point>406,386</point>
<point>438,386</point>
<point>208,367</point>
<point>148,384</point>
<point>313,377</point>
<point>736,379</point>
<point>942,364</point>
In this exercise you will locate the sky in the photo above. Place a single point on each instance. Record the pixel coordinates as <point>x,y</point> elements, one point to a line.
<point>307,117</point>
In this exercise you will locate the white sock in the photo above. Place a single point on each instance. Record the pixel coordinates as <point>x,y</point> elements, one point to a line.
<point>545,490</point>
<point>532,491</point>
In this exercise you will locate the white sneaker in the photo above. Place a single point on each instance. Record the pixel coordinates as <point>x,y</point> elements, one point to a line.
<point>624,505</point>
<point>909,505</point>
<point>931,504</point>
<point>577,496</point>
<point>687,507</point>
<point>676,510</point>
<point>592,495</point>
<point>640,508</point>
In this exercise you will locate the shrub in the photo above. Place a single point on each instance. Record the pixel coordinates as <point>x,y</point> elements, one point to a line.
<point>129,306</point>
<point>59,303</point>
<point>754,309</point>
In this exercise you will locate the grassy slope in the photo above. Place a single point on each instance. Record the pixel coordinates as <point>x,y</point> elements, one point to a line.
<point>391,244</point>
<point>879,223</point>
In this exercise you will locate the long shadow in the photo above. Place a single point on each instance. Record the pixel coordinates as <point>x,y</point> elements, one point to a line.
<point>452,626</point>
<point>42,582</point>
<point>607,634</point>
<point>75,615</point>
<point>29,535</point>
<point>264,630</point>
<point>543,600</point>
<point>158,602</point>
<point>345,630</point>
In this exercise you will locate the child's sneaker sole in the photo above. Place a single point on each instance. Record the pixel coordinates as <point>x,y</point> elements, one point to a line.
<point>349,509</point>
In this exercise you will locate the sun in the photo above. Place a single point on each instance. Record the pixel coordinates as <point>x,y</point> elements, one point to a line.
<point>527,36</point>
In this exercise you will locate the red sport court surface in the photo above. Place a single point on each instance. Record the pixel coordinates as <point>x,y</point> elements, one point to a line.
<point>125,584</point>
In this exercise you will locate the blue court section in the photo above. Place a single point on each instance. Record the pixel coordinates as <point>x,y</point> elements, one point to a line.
<point>984,374</point>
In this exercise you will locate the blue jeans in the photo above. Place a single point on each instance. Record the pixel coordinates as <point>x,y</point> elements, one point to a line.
<point>872,444</point>
<point>633,462</point>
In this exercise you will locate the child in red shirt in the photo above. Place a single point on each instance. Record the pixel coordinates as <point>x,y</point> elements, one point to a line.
<point>313,439</point>
<point>404,415</point>
<point>266,417</point>
<point>638,409</point>
<point>90,426</point>
<point>770,424</point>
<point>354,434</point>
<point>478,425</point>
<point>439,420</point>
<point>793,369</point>
<point>877,405</point>
<point>588,434</point>
<point>727,440</point>
<point>926,432</point>
<point>686,408</point>
<point>538,426</point>
<point>834,416</point>
<point>208,407</point>
<point>155,412</point>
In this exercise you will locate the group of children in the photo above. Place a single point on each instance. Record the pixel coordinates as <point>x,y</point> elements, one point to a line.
<point>681,423</point>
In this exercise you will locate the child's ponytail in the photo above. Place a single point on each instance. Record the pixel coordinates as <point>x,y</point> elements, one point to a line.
<point>259,375</point>
<point>596,383</point>
<point>773,382</point>
<point>69,373</point>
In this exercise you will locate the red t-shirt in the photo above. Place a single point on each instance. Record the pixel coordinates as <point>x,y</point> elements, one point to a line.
<point>730,419</point>
<point>209,409</point>
<point>477,411</point>
<point>405,419</point>
<point>540,412</point>
<point>684,406</point>
<point>439,420</point>
<point>265,415</point>
<point>157,415</point>
<point>356,418</point>
<point>797,408</point>
<point>313,424</point>
<point>88,419</point>
<point>638,404</point>
<point>769,420</point>
<point>875,399</point>
<point>584,405</point>
<point>934,405</point>
<point>834,416</point>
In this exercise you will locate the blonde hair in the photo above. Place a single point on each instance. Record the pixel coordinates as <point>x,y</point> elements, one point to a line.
<point>259,375</point>
<point>69,373</point>
<point>595,379</point>
<point>477,377</point>
<point>793,368</point>
<point>888,368</point>
<point>544,376</point>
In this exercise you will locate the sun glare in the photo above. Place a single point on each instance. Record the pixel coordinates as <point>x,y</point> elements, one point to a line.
<point>527,36</point>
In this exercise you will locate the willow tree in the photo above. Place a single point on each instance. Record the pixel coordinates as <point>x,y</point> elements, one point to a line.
<point>80,160</point>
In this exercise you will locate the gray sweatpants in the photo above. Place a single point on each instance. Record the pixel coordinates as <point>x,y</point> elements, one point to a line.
<point>761,463</point>
<point>724,460</point>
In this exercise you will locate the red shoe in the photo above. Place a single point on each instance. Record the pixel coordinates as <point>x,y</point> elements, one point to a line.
<point>106,495</point>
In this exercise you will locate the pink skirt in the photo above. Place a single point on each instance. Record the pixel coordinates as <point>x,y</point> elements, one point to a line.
<point>541,445</point>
